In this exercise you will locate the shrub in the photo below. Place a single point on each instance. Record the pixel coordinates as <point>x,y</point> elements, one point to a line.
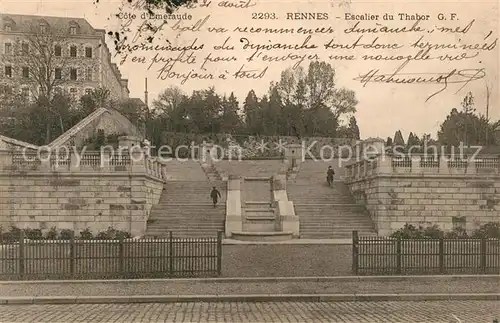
<point>456,233</point>
<point>410,231</point>
<point>86,234</point>
<point>112,234</point>
<point>66,234</point>
<point>15,233</point>
<point>433,232</point>
<point>51,234</point>
<point>33,234</point>
<point>488,230</point>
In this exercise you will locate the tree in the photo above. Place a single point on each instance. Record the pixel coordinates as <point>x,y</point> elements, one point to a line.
<point>413,140</point>
<point>353,128</point>
<point>252,112</point>
<point>230,119</point>
<point>388,142</point>
<point>398,139</point>
<point>311,100</point>
<point>466,126</point>
<point>41,62</point>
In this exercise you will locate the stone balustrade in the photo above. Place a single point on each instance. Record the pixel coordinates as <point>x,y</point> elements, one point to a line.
<point>420,165</point>
<point>88,161</point>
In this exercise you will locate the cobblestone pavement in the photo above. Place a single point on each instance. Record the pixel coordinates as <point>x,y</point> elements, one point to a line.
<point>359,312</point>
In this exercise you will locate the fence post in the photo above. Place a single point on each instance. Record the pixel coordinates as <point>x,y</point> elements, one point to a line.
<point>399,256</point>
<point>21,254</point>
<point>355,252</point>
<point>121,260</point>
<point>441,255</point>
<point>72,255</point>
<point>219,253</point>
<point>483,254</point>
<point>170,255</point>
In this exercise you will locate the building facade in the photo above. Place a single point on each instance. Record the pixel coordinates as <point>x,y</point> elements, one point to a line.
<point>55,55</point>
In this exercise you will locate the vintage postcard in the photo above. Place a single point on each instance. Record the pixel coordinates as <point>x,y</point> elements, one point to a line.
<point>249,161</point>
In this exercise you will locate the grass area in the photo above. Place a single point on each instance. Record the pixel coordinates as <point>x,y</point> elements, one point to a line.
<point>107,259</point>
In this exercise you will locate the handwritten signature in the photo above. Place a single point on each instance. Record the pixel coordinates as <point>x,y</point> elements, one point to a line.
<point>454,76</point>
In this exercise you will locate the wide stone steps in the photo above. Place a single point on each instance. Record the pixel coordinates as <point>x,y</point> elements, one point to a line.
<point>189,170</point>
<point>186,209</point>
<point>326,212</point>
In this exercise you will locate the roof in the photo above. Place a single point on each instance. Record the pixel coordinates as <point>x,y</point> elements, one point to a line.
<point>23,23</point>
<point>16,142</point>
<point>136,101</point>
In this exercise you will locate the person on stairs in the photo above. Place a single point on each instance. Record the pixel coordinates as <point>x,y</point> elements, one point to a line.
<point>329,175</point>
<point>215,194</point>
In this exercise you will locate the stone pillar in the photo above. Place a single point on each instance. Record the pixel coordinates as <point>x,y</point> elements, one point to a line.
<point>164,172</point>
<point>293,155</point>
<point>384,164</point>
<point>443,165</point>
<point>129,141</point>
<point>137,160</point>
<point>287,221</point>
<point>44,161</point>
<point>372,147</point>
<point>208,154</point>
<point>234,220</point>
<point>75,161</point>
<point>471,166</point>
<point>415,165</point>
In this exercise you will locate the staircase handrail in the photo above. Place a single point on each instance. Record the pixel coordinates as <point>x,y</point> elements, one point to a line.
<point>76,128</point>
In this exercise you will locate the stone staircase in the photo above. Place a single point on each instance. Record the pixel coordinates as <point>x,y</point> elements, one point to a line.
<point>326,212</point>
<point>212,173</point>
<point>250,168</point>
<point>185,208</point>
<point>189,170</point>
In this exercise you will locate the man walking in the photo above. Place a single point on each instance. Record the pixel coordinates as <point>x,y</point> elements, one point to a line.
<point>329,175</point>
<point>215,194</point>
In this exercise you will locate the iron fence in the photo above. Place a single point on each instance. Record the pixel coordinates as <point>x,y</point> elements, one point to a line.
<point>392,256</point>
<point>122,258</point>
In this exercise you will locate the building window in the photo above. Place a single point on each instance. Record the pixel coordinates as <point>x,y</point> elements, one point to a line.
<point>58,74</point>
<point>8,49</point>
<point>88,52</point>
<point>43,29</point>
<point>26,72</point>
<point>58,91</point>
<point>73,75</point>
<point>5,90</point>
<point>25,92</point>
<point>8,28</point>
<point>72,51</point>
<point>8,71</point>
<point>73,92</point>
<point>25,47</point>
<point>72,30</point>
<point>57,50</point>
<point>88,91</point>
<point>89,74</point>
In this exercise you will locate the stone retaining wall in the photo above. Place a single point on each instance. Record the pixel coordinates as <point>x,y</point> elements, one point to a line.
<point>449,201</point>
<point>78,201</point>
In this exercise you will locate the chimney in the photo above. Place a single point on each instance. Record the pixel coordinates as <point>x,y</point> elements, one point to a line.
<point>146,92</point>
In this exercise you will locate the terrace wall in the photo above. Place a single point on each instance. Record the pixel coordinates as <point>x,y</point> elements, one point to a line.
<point>67,196</point>
<point>445,192</point>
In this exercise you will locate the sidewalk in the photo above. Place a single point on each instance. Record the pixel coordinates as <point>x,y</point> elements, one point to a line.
<point>255,289</point>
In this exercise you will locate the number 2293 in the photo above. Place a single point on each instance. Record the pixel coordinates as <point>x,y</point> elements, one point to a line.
<point>263,15</point>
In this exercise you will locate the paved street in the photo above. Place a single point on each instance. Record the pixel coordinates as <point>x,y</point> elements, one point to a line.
<point>359,312</point>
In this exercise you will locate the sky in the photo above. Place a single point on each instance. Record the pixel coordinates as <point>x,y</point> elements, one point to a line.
<point>383,108</point>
